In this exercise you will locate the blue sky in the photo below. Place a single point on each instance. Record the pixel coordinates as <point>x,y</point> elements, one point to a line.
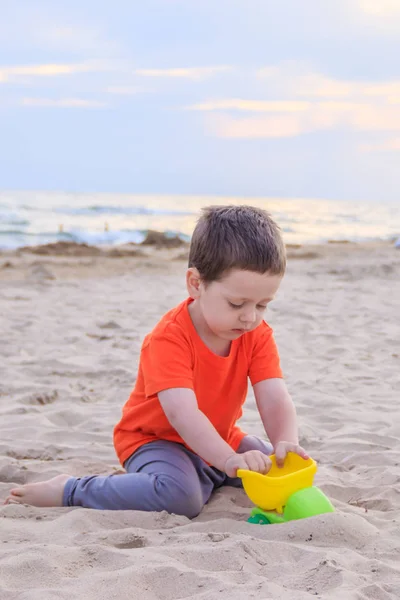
<point>235,97</point>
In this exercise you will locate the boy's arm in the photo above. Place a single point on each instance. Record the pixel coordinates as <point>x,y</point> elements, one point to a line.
<point>182,411</point>
<point>279,418</point>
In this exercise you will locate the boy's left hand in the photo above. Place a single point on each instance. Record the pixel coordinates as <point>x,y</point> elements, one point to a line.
<point>282,448</point>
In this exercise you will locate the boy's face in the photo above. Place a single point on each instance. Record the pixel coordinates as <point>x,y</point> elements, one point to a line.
<point>235,304</point>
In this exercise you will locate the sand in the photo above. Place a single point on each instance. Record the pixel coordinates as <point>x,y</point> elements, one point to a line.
<point>71,328</point>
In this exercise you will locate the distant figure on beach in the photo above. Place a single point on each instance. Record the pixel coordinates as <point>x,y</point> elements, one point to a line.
<point>397,244</point>
<point>178,438</point>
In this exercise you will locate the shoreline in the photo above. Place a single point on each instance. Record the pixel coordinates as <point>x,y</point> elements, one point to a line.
<point>162,240</point>
<point>166,239</point>
<point>70,260</point>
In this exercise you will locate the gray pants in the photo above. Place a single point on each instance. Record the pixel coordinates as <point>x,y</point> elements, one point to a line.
<point>160,476</point>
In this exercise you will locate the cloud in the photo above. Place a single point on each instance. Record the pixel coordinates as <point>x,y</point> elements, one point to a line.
<point>62,103</point>
<point>378,19</point>
<point>390,145</point>
<point>326,87</point>
<point>251,105</point>
<point>380,7</point>
<point>24,73</point>
<point>316,116</point>
<point>194,73</point>
<point>49,70</point>
<point>302,101</point>
<point>265,127</point>
<point>295,79</point>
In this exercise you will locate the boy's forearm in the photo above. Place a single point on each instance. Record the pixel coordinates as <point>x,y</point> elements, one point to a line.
<point>201,436</point>
<point>279,419</point>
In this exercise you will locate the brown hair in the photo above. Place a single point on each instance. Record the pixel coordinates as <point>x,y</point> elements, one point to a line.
<point>241,237</point>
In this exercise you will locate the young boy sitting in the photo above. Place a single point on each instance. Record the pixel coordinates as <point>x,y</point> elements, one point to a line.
<point>177,438</point>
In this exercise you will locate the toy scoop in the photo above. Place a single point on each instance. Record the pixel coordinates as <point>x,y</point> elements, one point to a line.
<point>288,491</point>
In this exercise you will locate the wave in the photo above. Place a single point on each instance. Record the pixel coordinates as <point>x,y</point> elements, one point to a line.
<point>118,210</point>
<point>12,239</point>
<point>12,219</point>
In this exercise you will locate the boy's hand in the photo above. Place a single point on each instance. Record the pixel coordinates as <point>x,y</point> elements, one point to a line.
<point>253,460</point>
<point>282,448</point>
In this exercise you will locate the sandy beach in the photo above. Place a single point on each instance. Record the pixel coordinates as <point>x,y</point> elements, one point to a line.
<point>72,321</point>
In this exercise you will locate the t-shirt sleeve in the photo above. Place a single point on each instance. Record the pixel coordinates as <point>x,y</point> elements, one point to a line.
<point>166,362</point>
<point>264,361</point>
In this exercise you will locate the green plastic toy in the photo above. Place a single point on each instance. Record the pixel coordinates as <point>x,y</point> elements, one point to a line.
<point>302,504</point>
<point>285,493</point>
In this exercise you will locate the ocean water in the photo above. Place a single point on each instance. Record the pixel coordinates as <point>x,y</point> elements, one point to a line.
<point>30,218</point>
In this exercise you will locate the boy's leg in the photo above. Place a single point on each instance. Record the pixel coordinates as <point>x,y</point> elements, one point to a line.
<point>160,476</point>
<point>252,442</point>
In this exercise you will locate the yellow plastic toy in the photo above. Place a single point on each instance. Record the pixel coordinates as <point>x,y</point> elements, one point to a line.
<point>290,486</point>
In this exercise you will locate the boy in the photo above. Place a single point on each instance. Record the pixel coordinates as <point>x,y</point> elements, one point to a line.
<point>178,439</point>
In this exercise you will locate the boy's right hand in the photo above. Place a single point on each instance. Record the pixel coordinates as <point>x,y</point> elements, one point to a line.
<point>253,460</point>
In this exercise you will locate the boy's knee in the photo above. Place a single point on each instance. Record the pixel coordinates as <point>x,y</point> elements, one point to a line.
<point>252,442</point>
<point>180,498</point>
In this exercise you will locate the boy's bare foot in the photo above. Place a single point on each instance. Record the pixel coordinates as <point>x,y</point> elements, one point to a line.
<point>44,493</point>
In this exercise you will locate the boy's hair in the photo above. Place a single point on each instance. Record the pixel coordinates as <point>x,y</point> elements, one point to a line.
<point>241,237</point>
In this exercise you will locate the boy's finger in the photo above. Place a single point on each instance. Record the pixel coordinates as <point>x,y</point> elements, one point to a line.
<point>267,465</point>
<point>261,465</point>
<point>301,452</point>
<point>282,450</point>
<point>280,455</point>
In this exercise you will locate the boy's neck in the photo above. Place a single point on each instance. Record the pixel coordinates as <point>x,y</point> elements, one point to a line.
<point>213,343</point>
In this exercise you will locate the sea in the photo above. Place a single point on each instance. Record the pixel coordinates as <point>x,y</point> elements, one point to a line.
<point>32,218</point>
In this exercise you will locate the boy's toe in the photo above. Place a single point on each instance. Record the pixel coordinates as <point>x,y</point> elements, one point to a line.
<point>11,500</point>
<point>15,496</point>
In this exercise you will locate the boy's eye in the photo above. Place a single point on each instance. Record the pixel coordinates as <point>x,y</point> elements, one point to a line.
<point>235,305</point>
<point>259,306</point>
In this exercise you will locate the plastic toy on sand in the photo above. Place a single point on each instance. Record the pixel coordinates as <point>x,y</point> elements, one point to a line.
<point>286,493</point>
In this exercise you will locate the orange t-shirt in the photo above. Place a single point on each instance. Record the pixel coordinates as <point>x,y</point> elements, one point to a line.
<point>174,356</point>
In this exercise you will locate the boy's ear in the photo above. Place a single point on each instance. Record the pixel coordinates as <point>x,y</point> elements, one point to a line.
<point>193,282</point>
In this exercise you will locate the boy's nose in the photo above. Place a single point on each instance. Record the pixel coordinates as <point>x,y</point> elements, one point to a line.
<point>248,317</point>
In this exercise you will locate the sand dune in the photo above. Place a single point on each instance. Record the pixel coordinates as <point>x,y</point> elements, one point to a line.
<point>71,328</point>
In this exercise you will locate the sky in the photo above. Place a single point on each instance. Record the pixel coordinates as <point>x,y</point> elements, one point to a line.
<point>296,98</point>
